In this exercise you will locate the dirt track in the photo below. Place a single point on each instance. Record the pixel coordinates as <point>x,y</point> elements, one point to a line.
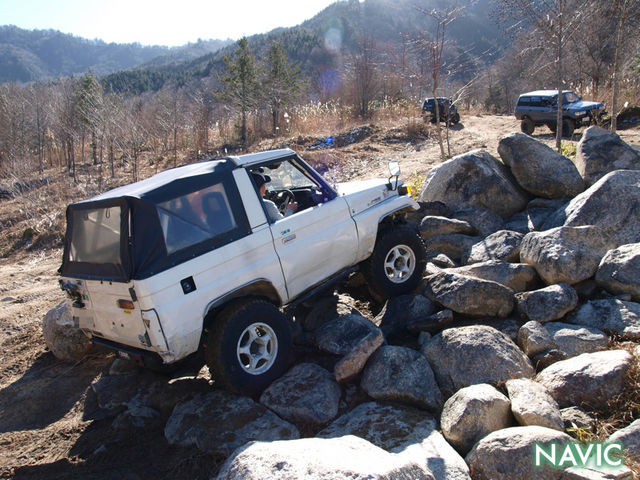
<point>50,425</point>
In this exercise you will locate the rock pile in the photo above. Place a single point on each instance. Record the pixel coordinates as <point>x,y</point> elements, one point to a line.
<point>530,274</point>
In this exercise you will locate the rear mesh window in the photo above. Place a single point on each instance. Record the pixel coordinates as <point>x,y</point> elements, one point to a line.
<point>195,217</point>
<point>96,236</point>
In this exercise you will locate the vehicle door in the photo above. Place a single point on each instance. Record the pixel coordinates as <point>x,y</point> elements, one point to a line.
<point>318,240</point>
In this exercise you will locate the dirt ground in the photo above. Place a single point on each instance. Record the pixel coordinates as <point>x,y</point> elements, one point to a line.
<point>50,424</point>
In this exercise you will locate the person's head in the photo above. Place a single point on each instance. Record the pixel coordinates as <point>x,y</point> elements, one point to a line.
<point>261,181</point>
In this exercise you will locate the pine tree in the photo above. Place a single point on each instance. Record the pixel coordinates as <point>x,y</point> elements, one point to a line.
<point>240,88</point>
<point>282,83</point>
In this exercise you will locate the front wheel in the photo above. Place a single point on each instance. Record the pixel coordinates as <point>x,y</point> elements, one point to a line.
<point>568,126</point>
<point>249,346</point>
<point>527,126</point>
<point>397,263</point>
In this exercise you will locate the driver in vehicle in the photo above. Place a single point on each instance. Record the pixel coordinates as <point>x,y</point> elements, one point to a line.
<point>273,213</point>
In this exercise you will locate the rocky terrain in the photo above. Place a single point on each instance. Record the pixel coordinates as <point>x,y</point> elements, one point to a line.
<point>525,330</point>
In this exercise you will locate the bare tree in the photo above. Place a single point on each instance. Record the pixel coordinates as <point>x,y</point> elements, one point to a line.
<point>364,74</point>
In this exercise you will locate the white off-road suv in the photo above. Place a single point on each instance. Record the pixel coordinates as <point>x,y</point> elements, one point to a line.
<point>187,260</point>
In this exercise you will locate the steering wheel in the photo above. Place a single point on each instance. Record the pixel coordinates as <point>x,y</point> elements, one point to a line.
<point>284,198</point>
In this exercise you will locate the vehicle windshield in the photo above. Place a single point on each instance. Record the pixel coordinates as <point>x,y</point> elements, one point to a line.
<point>569,97</point>
<point>287,176</point>
<point>95,237</point>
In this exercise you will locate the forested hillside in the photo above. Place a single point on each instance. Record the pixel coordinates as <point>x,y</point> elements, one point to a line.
<point>27,56</point>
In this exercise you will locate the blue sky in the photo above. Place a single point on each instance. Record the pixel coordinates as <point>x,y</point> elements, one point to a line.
<point>158,22</point>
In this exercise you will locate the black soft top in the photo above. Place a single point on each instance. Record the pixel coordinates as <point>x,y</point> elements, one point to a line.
<point>143,252</point>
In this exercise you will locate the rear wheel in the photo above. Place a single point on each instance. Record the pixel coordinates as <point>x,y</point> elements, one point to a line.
<point>397,263</point>
<point>568,126</point>
<point>249,346</point>
<point>527,126</point>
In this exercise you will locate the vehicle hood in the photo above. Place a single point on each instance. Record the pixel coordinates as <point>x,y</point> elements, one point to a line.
<point>361,195</point>
<point>584,105</point>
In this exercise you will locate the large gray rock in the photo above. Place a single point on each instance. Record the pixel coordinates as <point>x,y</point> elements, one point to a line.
<point>484,221</point>
<point>220,422</point>
<point>508,454</point>
<point>590,379</point>
<point>453,245</point>
<point>501,245</point>
<point>612,204</point>
<point>475,179</point>
<point>399,312</point>
<point>433,323</point>
<point>430,226</point>
<point>62,334</point>
<point>532,404</point>
<point>472,413</point>
<point>538,168</point>
<point>475,354</point>
<point>341,335</point>
<point>610,315</point>
<point>565,254</point>
<point>519,277</point>
<point>349,366</point>
<point>404,431</point>
<point>306,394</point>
<point>630,438</point>
<point>601,151</point>
<point>533,338</point>
<point>529,220</point>
<point>344,458</point>
<point>402,375</point>
<point>469,295</point>
<point>575,340</point>
<point>547,304</point>
<point>326,309</point>
<point>619,271</point>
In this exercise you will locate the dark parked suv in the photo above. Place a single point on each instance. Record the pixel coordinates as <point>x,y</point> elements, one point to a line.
<point>448,111</point>
<point>541,107</point>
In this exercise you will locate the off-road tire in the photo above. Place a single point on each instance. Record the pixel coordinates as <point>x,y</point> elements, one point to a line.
<point>229,346</point>
<point>527,126</point>
<point>396,249</point>
<point>568,126</point>
<point>455,119</point>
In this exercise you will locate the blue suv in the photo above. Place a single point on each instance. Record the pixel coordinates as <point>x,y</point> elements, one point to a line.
<point>540,108</point>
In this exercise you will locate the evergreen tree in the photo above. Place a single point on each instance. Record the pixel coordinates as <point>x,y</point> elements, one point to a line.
<point>282,83</point>
<point>240,88</point>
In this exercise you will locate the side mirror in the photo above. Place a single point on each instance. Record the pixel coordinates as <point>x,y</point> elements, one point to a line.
<point>394,171</point>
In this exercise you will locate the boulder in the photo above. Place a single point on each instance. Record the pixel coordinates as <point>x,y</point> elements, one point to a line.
<point>453,245</point>
<point>344,458</point>
<point>519,277</point>
<point>611,203</point>
<point>341,335</point>
<point>475,179</point>
<point>484,221</point>
<point>399,312</point>
<point>589,379</point>
<point>538,168</point>
<point>349,366</point>
<point>630,438</point>
<point>533,338</point>
<point>619,271</point>
<point>430,226</point>
<point>62,334</point>
<point>610,315</point>
<point>326,309</point>
<point>474,354</point>
<point>532,404</point>
<point>601,151</point>
<point>575,340</point>
<point>547,357</point>
<point>547,304</point>
<point>401,374</point>
<point>575,417</point>
<point>565,254</point>
<point>508,454</point>
<point>501,245</point>
<point>403,431</point>
<point>305,394</point>
<point>442,261</point>
<point>433,323</point>
<point>472,413</point>
<point>219,422</point>
<point>469,295</point>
